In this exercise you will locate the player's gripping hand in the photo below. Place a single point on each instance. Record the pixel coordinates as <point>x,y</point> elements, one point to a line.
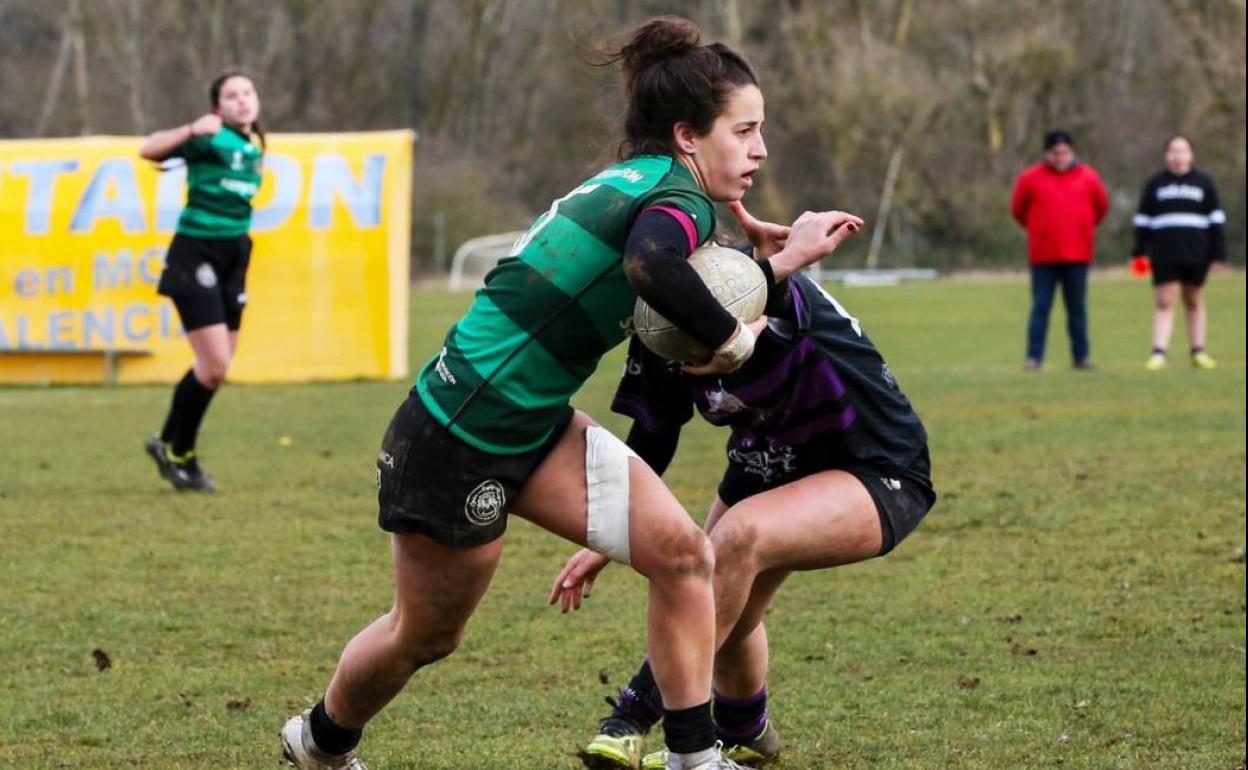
<point>578,576</point>
<point>722,364</point>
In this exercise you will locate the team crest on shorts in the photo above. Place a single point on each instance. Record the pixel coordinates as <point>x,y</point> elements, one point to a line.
<point>485,503</point>
<point>206,276</point>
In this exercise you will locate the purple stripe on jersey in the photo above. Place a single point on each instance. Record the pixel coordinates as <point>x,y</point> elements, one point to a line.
<point>638,408</point>
<point>797,301</point>
<point>690,231</point>
<point>808,430</point>
<point>799,356</point>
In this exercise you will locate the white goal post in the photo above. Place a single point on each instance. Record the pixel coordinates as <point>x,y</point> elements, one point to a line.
<point>485,250</point>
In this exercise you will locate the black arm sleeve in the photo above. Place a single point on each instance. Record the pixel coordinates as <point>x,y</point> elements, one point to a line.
<point>655,263</point>
<point>1143,217</point>
<point>1217,229</point>
<point>779,295</point>
<point>657,449</point>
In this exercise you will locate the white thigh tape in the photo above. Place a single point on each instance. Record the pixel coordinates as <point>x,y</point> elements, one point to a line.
<point>606,481</point>
<point>740,347</point>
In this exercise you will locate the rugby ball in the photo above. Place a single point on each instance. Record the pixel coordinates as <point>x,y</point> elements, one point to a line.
<point>734,279</point>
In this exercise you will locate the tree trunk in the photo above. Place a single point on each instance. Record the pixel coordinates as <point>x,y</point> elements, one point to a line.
<point>902,26</point>
<point>82,83</point>
<point>886,205</point>
<point>53,93</point>
<point>418,24</point>
<point>133,51</point>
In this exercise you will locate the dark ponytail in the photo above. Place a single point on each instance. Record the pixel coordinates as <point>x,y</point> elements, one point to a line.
<point>670,78</point>
<point>214,94</point>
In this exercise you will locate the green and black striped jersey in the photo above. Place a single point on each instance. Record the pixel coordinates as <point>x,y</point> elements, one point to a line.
<point>222,176</point>
<point>546,314</point>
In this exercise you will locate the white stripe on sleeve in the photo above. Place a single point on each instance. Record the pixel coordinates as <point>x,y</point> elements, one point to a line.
<point>1163,221</point>
<point>1141,220</point>
<point>1217,217</point>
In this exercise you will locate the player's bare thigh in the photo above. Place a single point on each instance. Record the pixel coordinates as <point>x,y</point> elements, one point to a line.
<point>822,520</point>
<point>555,498</point>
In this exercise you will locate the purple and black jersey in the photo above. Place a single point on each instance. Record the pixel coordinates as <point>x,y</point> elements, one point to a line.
<point>816,387</point>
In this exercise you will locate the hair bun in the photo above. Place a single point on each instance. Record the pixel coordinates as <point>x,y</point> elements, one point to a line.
<point>658,40</point>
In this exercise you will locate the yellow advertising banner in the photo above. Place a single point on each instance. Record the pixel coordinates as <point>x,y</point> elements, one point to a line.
<point>84,225</point>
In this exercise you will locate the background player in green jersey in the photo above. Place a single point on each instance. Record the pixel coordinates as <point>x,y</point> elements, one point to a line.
<point>206,264</point>
<point>488,429</point>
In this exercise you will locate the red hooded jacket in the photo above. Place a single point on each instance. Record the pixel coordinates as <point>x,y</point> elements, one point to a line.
<point>1060,210</point>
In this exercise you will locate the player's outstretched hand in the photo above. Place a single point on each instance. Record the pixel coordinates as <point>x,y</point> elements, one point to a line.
<point>207,124</point>
<point>578,576</point>
<point>814,235</point>
<point>767,238</point>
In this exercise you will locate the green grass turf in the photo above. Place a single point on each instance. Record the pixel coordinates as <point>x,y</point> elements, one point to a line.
<point>1075,599</point>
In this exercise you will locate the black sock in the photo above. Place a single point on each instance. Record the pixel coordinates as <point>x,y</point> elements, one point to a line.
<point>190,402</point>
<point>172,419</point>
<point>1159,351</point>
<point>689,730</point>
<point>1200,349</point>
<point>737,720</point>
<point>640,701</point>
<point>328,736</point>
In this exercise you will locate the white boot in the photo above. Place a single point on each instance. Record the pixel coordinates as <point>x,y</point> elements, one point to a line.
<point>301,751</point>
<point>711,759</point>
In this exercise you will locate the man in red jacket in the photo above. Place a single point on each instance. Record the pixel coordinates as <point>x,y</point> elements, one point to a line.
<point>1060,201</point>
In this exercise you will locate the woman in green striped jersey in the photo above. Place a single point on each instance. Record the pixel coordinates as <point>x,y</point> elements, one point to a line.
<point>489,430</point>
<point>206,264</point>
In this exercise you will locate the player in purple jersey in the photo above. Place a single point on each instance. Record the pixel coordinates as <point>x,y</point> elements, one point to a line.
<point>827,465</point>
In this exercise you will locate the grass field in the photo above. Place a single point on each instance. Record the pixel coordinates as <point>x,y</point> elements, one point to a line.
<point>1076,599</point>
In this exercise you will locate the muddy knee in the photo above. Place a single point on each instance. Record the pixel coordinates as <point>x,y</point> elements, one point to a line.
<point>689,553</point>
<point>734,540</point>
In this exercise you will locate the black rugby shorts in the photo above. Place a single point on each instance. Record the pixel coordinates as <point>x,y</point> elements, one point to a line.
<point>432,482</point>
<point>207,280</point>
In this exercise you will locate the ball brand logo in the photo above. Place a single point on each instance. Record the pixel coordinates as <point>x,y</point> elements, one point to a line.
<point>732,286</point>
<point>485,503</point>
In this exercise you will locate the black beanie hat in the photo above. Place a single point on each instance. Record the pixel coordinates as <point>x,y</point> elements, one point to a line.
<point>1058,136</point>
